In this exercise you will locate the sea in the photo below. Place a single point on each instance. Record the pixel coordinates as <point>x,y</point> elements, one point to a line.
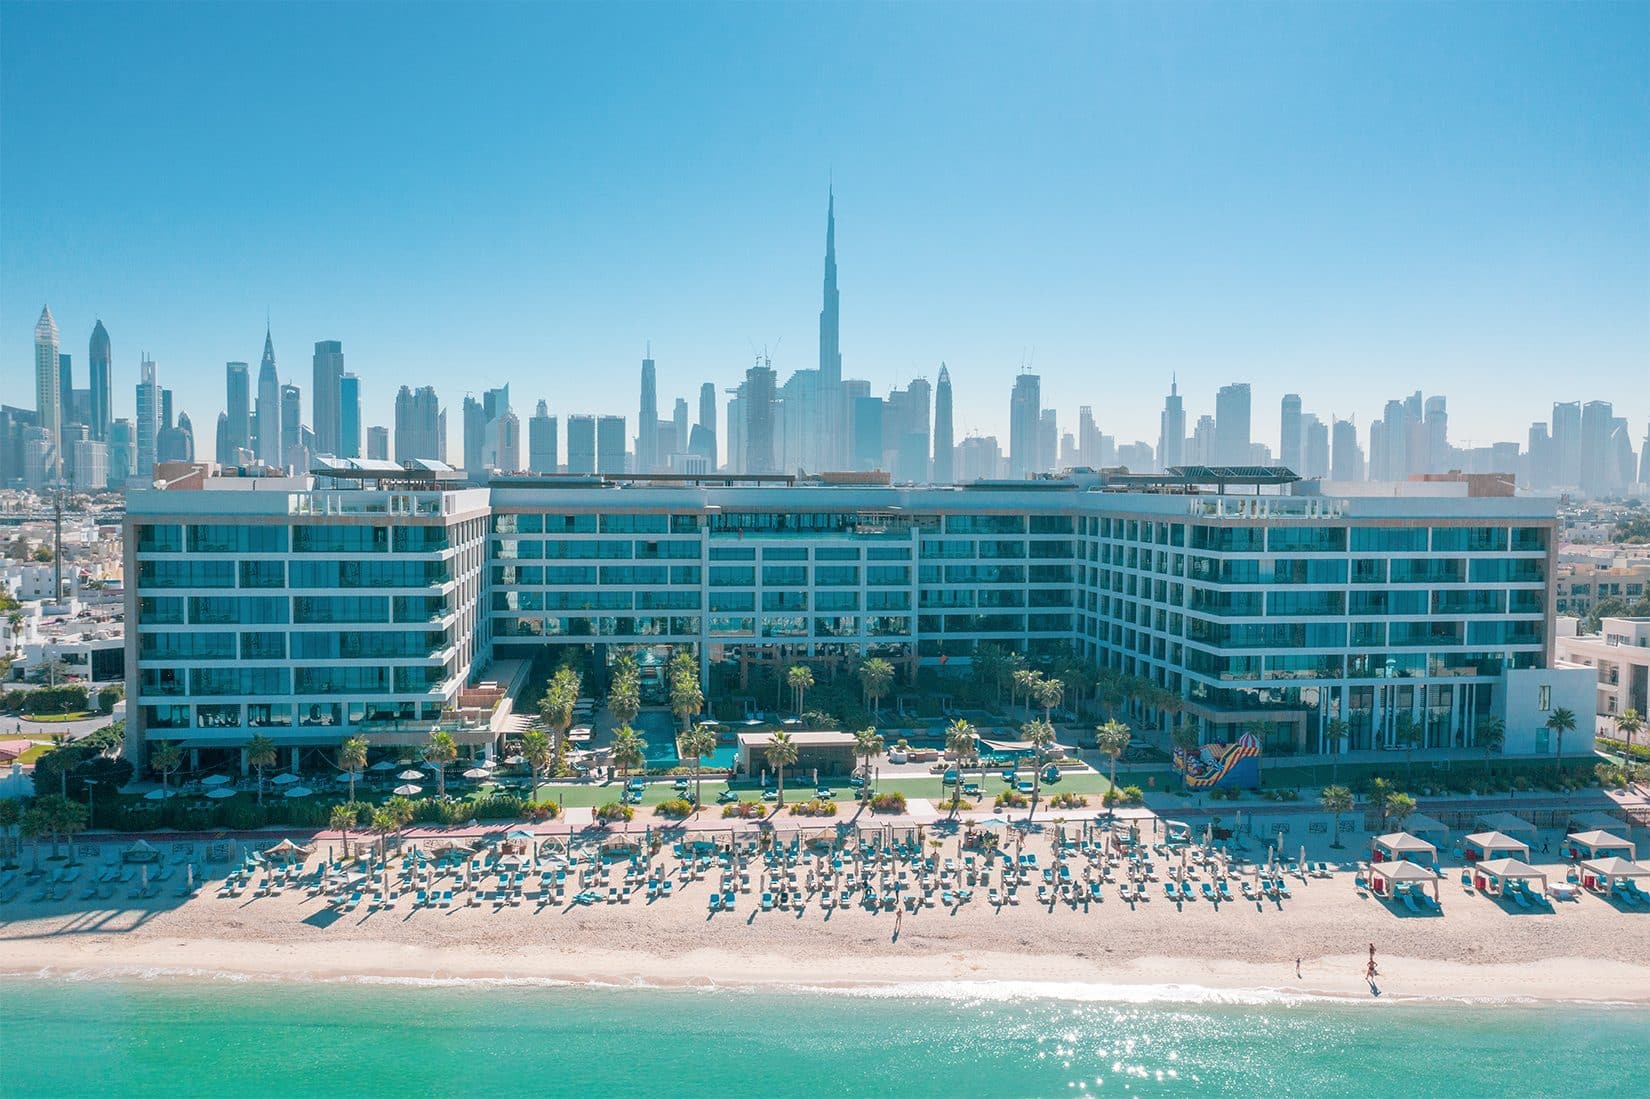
<point>240,1039</point>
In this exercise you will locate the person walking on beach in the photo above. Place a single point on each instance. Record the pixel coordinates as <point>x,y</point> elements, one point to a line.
<point>1297,969</point>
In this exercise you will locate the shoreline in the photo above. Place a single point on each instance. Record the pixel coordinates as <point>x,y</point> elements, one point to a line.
<point>985,976</point>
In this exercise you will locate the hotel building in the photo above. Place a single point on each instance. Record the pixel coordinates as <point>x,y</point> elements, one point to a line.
<point>308,608</point>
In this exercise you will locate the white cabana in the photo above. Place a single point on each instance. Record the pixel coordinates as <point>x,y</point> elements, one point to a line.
<point>1385,878</point>
<point>1402,845</point>
<point>1604,875</point>
<point>1494,845</point>
<point>1428,828</point>
<point>1598,845</point>
<point>1594,821</point>
<point>1509,823</point>
<point>1493,875</point>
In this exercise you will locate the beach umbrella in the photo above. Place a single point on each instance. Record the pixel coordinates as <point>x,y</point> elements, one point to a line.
<point>220,793</point>
<point>410,775</point>
<point>407,790</point>
<point>513,761</point>
<point>214,780</point>
<point>285,779</point>
<point>298,792</point>
<point>384,765</point>
<point>157,795</point>
<point>477,772</point>
<point>189,877</point>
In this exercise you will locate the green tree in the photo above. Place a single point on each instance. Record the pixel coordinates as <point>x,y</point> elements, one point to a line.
<point>55,816</point>
<point>341,819</point>
<point>262,754</point>
<point>961,742</point>
<point>1110,691</point>
<point>1628,724</point>
<point>1112,738</point>
<point>1492,734</point>
<point>1336,732</point>
<point>991,667</point>
<point>440,751</point>
<point>1561,721</point>
<point>386,823</point>
<point>697,743</point>
<point>629,750</point>
<point>1022,682</point>
<point>352,760</point>
<point>782,753</point>
<point>1336,800</point>
<point>165,756</point>
<point>624,695</point>
<point>801,681</point>
<point>868,744</point>
<point>1047,693</point>
<point>1040,735</point>
<point>875,676</point>
<point>1399,808</point>
<point>537,751</point>
<point>556,705</point>
<point>11,815</point>
<point>1410,735</point>
<point>1185,737</point>
<point>687,698</point>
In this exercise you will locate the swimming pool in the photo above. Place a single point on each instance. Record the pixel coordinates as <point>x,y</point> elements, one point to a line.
<point>658,731</point>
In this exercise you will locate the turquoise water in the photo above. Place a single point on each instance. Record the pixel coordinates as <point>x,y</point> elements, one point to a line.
<point>250,1039</point>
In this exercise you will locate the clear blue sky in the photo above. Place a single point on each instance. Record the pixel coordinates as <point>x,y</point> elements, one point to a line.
<point>1348,201</point>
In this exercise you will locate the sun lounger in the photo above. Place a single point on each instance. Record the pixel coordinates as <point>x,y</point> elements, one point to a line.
<point>1283,889</point>
<point>1518,897</point>
<point>1170,891</point>
<point>1186,893</point>
<point>767,902</point>
<point>1208,892</point>
<point>1225,891</point>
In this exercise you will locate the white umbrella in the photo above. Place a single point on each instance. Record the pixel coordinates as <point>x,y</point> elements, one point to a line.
<point>514,760</point>
<point>157,795</point>
<point>214,780</point>
<point>284,779</point>
<point>478,772</point>
<point>410,775</point>
<point>408,790</point>
<point>220,793</point>
<point>384,765</point>
<point>299,792</point>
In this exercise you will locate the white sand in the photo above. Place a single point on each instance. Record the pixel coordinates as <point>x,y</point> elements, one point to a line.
<point>1585,950</point>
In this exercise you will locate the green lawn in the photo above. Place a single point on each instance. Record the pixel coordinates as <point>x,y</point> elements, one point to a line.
<point>48,719</point>
<point>40,748</point>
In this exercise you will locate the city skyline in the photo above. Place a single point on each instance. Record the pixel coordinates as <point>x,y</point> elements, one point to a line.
<point>1295,266</point>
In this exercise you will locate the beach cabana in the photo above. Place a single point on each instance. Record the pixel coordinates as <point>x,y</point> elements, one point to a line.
<point>1494,875</point>
<point>1428,828</point>
<point>1388,879</point>
<point>1177,831</point>
<point>1594,821</point>
<point>1508,824</point>
<point>1604,875</point>
<point>141,851</point>
<point>1494,845</point>
<point>1597,845</point>
<point>1397,846</point>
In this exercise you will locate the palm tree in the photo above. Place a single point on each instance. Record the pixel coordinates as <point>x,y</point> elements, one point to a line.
<point>697,743</point>
<point>385,821</point>
<point>1492,734</point>
<point>556,705</point>
<point>352,760</point>
<point>54,816</point>
<point>262,754</point>
<point>686,696</point>
<point>1040,735</point>
<point>1109,690</point>
<point>1185,737</point>
<point>1628,722</point>
<point>874,677</point>
<point>782,753</point>
<point>624,697</point>
<point>1336,800</point>
<point>1336,732</point>
<point>1410,735</point>
<point>1112,738</point>
<point>341,820</point>
<point>441,750</point>
<point>868,743</point>
<point>165,756</point>
<point>991,667</point>
<point>1047,693</point>
<point>800,679</point>
<point>1400,807</point>
<point>1023,680</point>
<point>629,750</point>
<point>1561,721</point>
<point>537,751</point>
<point>960,741</point>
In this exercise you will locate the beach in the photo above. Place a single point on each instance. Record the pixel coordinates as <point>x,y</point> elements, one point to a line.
<point>1589,949</point>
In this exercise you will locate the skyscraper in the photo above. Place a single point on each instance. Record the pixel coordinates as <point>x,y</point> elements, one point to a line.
<point>1290,436</point>
<point>1232,425</point>
<point>101,367</point>
<point>65,387</point>
<point>349,416</point>
<point>146,424</point>
<point>1314,447</point>
<point>541,441</point>
<point>581,444</point>
<point>1435,424</point>
<point>48,393</point>
<point>1598,464</point>
<point>419,425</point>
<point>475,434</point>
<point>868,417</point>
<point>1025,410</point>
<point>830,396</point>
<point>703,440</point>
<point>610,448</point>
<point>758,402</point>
<point>1171,428</point>
<point>270,451</point>
<point>378,443</point>
<point>944,442</point>
<point>647,420</point>
<point>502,449</point>
<point>294,454</point>
<point>324,407</point>
<point>1567,444</point>
<point>1048,440</point>
<point>1346,463</point>
<point>237,410</point>
<point>679,421</point>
